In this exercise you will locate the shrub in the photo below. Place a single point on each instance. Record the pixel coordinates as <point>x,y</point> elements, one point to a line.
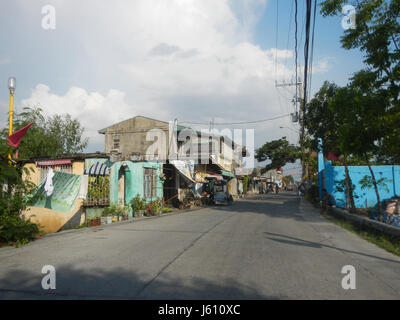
<point>138,203</point>
<point>115,210</point>
<point>154,207</point>
<point>15,195</point>
<point>15,229</point>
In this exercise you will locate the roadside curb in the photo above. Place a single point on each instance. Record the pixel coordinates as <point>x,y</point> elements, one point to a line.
<point>101,227</point>
<point>365,222</point>
<point>118,223</point>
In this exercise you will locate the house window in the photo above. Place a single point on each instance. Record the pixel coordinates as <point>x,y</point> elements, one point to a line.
<point>115,142</point>
<point>67,168</point>
<point>98,190</point>
<point>150,183</point>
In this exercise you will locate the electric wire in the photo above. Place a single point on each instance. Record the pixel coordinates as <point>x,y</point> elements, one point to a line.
<point>312,50</point>
<point>237,123</point>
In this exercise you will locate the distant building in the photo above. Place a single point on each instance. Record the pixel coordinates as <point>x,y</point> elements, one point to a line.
<point>183,170</point>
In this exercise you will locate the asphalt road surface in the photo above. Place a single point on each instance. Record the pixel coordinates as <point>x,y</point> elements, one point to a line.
<point>265,247</point>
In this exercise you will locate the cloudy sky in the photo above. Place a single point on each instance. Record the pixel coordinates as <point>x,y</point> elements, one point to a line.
<point>194,60</point>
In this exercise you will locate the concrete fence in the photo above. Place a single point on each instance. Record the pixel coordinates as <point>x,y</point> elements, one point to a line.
<point>366,223</point>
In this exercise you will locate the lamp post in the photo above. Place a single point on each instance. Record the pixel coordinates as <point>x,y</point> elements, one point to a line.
<point>11,88</point>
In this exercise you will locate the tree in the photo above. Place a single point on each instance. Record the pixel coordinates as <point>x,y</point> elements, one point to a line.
<point>377,35</point>
<point>13,199</point>
<point>322,120</point>
<point>361,127</point>
<point>288,180</point>
<point>52,136</point>
<point>279,152</point>
<point>368,108</point>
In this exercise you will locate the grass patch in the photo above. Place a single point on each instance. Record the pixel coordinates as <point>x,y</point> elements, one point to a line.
<point>384,241</point>
<point>83,225</point>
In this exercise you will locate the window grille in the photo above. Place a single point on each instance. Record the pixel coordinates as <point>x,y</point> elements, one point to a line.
<point>67,168</point>
<point>98,191</point>
<point>150,183</point>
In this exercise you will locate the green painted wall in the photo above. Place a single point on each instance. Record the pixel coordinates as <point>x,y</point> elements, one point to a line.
<point>93,212</point>
<point>134,180</point>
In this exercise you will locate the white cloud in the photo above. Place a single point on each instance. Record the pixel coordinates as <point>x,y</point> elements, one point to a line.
<point>322,66</point>
<point>189,59</point>
<point>94,110</point>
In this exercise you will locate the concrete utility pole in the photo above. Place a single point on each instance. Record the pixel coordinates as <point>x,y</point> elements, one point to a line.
<point>304,167</point>
<point>301,133</point>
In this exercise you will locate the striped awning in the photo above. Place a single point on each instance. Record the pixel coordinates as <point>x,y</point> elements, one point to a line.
<point>98,169</point>
<point>227,174</point>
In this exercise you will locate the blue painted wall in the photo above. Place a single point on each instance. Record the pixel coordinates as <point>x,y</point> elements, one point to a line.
<point>134,180</point>
<point>366,197</point>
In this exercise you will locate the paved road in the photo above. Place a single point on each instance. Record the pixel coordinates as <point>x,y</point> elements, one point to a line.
<point>266,247</point>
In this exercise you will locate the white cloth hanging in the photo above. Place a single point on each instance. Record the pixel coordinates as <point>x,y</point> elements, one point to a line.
<point>48,186</point>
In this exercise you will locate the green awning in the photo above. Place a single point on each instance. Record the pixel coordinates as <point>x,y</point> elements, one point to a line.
<point>227,174</point>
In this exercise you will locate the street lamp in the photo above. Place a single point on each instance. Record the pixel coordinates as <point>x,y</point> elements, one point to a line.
<point>12,83</point>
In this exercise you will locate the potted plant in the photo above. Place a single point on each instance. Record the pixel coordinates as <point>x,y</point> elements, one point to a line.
<point>126,213</point>
<point>138,205</point>
<point>155,207</point>
<point>109,214</point>
<point>93,222</point>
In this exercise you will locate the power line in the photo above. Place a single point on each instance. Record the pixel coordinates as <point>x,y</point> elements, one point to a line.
<point>306,49</point>
<point>236,123</point>
<point>312,47</point>
<point>276,36</point>
<point>289,29</point>
<point>295,46</point>
<point>304,102</point>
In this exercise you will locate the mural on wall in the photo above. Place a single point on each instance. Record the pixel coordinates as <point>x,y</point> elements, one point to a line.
<point>66,188</point>
<point>388,182</point>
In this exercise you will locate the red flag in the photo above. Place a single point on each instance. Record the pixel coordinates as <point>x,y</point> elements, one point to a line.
<point>17,136</point>
<point>331,156</point>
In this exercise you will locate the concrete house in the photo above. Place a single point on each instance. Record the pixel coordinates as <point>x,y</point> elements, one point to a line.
<point>128,140</point>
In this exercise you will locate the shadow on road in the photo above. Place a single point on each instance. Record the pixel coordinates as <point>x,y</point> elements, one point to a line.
<point>284,205</point>
<point>72,283</point>
<point>305,243</point>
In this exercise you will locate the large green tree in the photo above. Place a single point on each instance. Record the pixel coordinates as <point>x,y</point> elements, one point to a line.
<point>377,35</point>
<point>323,119</point>
<point>50,136</point>
<point>288,180</point>
<point>279,152</point>
<point>362,125</point>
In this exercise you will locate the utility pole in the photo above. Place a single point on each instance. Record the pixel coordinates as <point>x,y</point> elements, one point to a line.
<point>304,167</point>
<point>291,84</point>
<point>302,109</point>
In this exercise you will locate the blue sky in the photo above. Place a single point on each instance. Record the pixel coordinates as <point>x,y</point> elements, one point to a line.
<point>192,60</point>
